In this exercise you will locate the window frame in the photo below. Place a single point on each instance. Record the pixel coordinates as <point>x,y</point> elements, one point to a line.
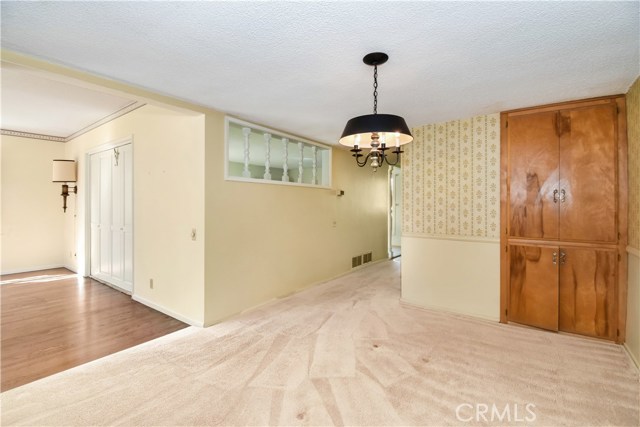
<point>276,134</point>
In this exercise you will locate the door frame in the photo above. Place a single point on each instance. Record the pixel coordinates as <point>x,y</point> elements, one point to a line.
<point>87,201</point>
<point>390,208</point>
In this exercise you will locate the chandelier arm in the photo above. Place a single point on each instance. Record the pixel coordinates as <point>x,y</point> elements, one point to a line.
<point>364,162</point>
<point>397,158</point>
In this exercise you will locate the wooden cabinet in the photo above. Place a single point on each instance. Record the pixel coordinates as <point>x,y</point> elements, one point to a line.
<point>563,217</point>
<point>533,286</point>
<point>587,279</point>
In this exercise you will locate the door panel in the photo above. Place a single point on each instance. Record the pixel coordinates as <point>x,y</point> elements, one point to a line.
<point>117,212</point>
<point>588,174</point>
<point>112,217</point>
<point>587,291</point>
<point>95,215</point>
<point>127,159</point>
<point>105,260</point>
<point>533,291</point>
<point>533,175</point>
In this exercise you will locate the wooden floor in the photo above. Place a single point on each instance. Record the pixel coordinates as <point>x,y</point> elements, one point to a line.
<point>53,320</point>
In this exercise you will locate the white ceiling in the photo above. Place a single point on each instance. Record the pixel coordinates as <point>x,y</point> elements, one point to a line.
<point>35,102</point>
<point>297,66</point>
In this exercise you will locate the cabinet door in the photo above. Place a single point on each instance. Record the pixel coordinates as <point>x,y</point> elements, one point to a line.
<point>587,291</point>
<point>533,286</point>
<point>533,175</point>
<point>588,174</point>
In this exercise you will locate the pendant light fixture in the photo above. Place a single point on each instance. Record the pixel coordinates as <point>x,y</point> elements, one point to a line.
<point>376,131</point>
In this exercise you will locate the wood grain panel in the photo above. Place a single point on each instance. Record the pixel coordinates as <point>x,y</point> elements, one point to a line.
<point>588,156</point>
<point>623,225</point>
<point>533,175</point>
<point>504,227</point>
<point>533,292</point>
<point>592,221</point>
<point>567,105</point>
<point>587,292</point>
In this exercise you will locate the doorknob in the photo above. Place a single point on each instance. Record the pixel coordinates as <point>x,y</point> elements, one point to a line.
<point>555,196</point>
<point>563,258</point>
<point>554,258</point>
<point>563,196</point>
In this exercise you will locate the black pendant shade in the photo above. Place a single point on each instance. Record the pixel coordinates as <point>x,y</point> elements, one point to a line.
<point>392,128</point>
<point>378,132</point>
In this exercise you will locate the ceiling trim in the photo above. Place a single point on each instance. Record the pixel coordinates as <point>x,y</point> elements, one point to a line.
<point>32,135</point>
<point>127,109</point>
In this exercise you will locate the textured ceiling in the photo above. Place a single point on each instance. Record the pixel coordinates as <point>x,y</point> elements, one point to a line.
<point>297,66</point>
<point>34,102</point>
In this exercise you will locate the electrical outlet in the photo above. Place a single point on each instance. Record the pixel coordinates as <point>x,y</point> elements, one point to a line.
<point>151,283</point>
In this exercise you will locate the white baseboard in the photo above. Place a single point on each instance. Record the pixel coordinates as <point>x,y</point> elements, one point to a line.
<point>68,267</point>
<point>272,300</point>
<point>451,311</point>
<point>34,268</point>
<point>632,356</point>
<point>168,312</point>
<point>337,276</point>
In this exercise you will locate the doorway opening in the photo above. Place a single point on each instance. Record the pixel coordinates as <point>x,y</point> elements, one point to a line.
<point>110,206</point>
<point>395,212</point>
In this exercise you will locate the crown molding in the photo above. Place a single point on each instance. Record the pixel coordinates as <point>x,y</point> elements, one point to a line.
<point>32,135</point>
<point>127,109</point>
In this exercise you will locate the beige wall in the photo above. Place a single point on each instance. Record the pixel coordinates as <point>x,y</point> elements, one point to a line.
<point>168,194</point>
<point>266,241</point>
<point>32,216</point>
<point>633,297</point>
<point>255,241</point>
<point>450,256</point>
<point>459,276</point>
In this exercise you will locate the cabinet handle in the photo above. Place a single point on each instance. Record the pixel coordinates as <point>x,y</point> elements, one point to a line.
<point>563,196</point>
<point>554,258</point>
<point>563,258</point>
<point>555,196</point>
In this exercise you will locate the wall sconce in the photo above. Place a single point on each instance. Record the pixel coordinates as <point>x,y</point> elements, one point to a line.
<point>65,171</point>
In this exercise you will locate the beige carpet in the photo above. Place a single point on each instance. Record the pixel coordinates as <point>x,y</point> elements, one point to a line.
<point>343,353</point>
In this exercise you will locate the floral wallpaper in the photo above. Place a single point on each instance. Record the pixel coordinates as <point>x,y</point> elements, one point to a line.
<point>633,133</point>
<point>451,178</point>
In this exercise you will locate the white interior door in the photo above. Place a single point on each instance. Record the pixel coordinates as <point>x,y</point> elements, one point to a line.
<point>111,205</point>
